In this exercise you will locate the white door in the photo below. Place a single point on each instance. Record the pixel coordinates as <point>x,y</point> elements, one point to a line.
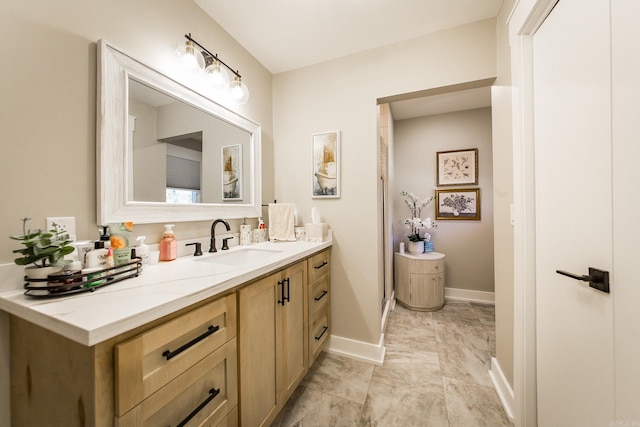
<point>572,128</point>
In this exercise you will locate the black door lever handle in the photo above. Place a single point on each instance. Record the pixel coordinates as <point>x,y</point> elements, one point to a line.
<point>598,279</point>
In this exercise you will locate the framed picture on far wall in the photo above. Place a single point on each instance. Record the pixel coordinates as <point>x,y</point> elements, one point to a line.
<point>461,204</point>
<point>232,172</point>
<point>326,165</point>
<point>458,167</point>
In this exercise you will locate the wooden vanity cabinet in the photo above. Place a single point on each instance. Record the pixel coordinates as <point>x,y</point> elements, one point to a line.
<point>272,343</point>
<point>419,281</point>
<point>319,267</point>
<point>127,380</point>
<point>233,359</point>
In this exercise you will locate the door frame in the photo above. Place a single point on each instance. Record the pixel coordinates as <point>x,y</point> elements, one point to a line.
<point>525,19</point>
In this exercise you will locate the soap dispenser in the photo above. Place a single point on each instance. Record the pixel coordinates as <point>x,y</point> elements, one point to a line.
<point>168,244</point>
<point>104,236</point>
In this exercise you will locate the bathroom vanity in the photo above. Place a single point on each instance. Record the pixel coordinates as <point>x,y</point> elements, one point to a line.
<point>419,280</point>
<point>208,340</point>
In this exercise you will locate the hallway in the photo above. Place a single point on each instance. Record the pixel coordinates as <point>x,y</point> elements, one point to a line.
<point>435,374</point>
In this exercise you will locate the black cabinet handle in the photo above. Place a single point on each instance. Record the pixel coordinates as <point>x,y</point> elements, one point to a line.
<point>212,395</point>
<point>171,354</point>
<point>282,299</point>
<point>318,267</point>
<point>324,330</point>
<point>288,289</point>
<point>321,295</point>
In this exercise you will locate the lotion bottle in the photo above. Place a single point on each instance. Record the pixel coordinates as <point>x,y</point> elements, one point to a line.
<point>98,256</point>
<point>142,251</point>
<point>168,244</point>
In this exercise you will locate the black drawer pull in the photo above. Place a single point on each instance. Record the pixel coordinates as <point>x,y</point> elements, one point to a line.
<point>321,295</point>
<point>324,330</point>
<point>171,354</point>
<point>212,395</point>
<point>318,267</point>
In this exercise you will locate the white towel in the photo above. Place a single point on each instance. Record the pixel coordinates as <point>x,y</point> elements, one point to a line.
<point>281,222</point>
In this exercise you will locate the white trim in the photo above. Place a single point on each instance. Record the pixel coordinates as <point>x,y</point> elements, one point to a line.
<point>456,294</point>
<point>372,353</point>
<point>525,19</point>
<point>503,388</point>
<point>389,305</point>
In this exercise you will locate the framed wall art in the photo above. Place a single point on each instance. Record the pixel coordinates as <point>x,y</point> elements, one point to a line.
<point>326,165</point>
<point>232,172</point>
<point>458,167</point>
<point>460,203</point>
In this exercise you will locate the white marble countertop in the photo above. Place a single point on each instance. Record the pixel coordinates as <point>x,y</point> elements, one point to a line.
<point>161,289</point>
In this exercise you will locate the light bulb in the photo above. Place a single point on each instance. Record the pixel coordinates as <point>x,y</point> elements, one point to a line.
<point>239,91</point>
<point>190,56</point>
<point>217,75</point>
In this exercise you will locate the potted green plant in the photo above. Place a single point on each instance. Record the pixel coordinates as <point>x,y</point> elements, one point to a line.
<point>43,251</point>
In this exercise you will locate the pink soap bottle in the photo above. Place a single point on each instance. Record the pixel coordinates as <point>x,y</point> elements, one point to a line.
<point>168,244</point>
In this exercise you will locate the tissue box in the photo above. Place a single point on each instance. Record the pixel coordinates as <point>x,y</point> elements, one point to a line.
<point>317,232</point>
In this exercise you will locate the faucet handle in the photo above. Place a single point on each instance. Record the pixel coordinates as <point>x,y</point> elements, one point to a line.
<point>198,245</point>
<point>225,245</point>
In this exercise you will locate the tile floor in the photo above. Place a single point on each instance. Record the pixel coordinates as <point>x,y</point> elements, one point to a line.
<point>435,373</point>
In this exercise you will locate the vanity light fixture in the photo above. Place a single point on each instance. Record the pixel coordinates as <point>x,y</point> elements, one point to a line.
<point>190,56</point>
<point>196,56</point>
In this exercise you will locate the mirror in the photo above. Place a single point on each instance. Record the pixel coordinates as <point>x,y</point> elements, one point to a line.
<point>166,153</point>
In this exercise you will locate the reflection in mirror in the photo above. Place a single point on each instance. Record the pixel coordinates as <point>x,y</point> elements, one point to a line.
<point>166,153</point>
<point>177,151</point>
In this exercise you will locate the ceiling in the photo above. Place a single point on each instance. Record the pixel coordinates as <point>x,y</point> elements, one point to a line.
<point>469,99</point>
<point>287,34</point>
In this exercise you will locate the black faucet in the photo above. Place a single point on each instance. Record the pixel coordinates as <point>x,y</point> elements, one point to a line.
<point>212,246</point>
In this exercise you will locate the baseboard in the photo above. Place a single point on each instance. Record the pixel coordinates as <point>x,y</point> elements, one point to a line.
<point>388,308</point>
<point>373,353</point>
<point>503,389</point>
<point>456,294</point>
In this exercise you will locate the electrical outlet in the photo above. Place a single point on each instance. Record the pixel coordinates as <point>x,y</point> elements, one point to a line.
<point>64,223</point>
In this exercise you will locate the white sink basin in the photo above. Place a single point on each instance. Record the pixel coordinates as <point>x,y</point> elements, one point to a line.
<point>241,257</point>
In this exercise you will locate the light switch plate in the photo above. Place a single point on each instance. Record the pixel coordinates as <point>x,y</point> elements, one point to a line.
<point>65,223</point>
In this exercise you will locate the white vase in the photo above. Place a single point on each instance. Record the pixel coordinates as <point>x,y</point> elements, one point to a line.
<point>415,247</point>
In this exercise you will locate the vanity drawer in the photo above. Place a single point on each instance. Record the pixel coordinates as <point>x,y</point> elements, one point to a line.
<point>319,264</point>
<point>147,362</point>
<point>430,267</point>
<point>206,392</point>
<point>231,420</point>
<point>318,295</point>
<point>320,329</point>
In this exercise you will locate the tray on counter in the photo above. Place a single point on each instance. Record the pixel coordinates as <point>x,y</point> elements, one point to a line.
<point>69,284</point>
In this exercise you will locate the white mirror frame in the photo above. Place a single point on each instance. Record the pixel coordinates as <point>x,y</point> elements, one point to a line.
<point>114,70</point>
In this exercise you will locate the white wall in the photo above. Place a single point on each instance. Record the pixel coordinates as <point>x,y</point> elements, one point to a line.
<point>48,114</point>
<point>48,96</point>
<point>468,245</point>
<point>341,95</point>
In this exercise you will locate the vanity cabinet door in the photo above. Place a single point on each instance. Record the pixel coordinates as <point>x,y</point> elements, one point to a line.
<point>257,347</point>
<point>293,331</point>
<point>272,343</point>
